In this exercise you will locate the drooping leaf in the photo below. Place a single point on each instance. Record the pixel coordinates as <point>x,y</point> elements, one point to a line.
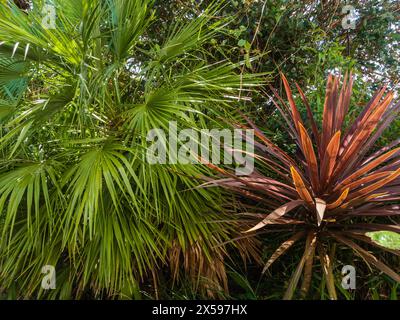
<point>368,257</point>
<point>285,246</point>
<point>277,213</point>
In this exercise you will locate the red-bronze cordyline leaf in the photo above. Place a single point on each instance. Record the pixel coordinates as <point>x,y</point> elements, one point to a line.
<point>373,210</point>
<point>310,248</point>
<point>376,227</point>
<point>301,188</point>
<point>368,167</point>
<point>371,105</point>
<point>286,115</point>
<point>294,110</point>
<point>362,133</point>
<point>339,200</point>
<point>272,148</point>
<point>376,108</point>
<point>285,246</point>
<point>365,180</point>
<point>387,119</point>
<point>328,114</point>
<point>368,257</point>
<point>310,116</point>
<point>329,159</point>
<point>277,213</point>
<point>390,166</point>
<point>381,151</point>
<point>377,185</point>
<point>309,154</point>
<point>343,103</point>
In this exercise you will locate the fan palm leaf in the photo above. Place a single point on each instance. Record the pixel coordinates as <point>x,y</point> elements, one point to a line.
<point>96,84</point>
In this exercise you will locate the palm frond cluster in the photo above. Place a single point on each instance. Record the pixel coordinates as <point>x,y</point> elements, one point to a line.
<point>76,191</point>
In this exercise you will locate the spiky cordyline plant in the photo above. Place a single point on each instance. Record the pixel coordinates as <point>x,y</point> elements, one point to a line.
<point>77,102</point>
<point>326,190</point>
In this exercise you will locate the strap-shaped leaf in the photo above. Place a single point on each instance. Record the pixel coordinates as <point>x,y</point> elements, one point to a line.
<point>329,159</point>
<point>310,115</point>
<point>363,132</point>
<point>277,213</point>
<point>310,247</point>
<point>309,154</point>
<point>285,246</point>
<point>320,206</point>
<point>327,117</point>
<point>368,167</point>
<point>368,257</point>
<point>339,200</point>
<point>371,188</point>
<point>301,187</point>
<point>366,180</point>
<point>294,110</point>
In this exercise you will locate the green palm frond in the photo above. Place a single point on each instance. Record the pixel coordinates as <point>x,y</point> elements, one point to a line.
<point>76,191</point>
